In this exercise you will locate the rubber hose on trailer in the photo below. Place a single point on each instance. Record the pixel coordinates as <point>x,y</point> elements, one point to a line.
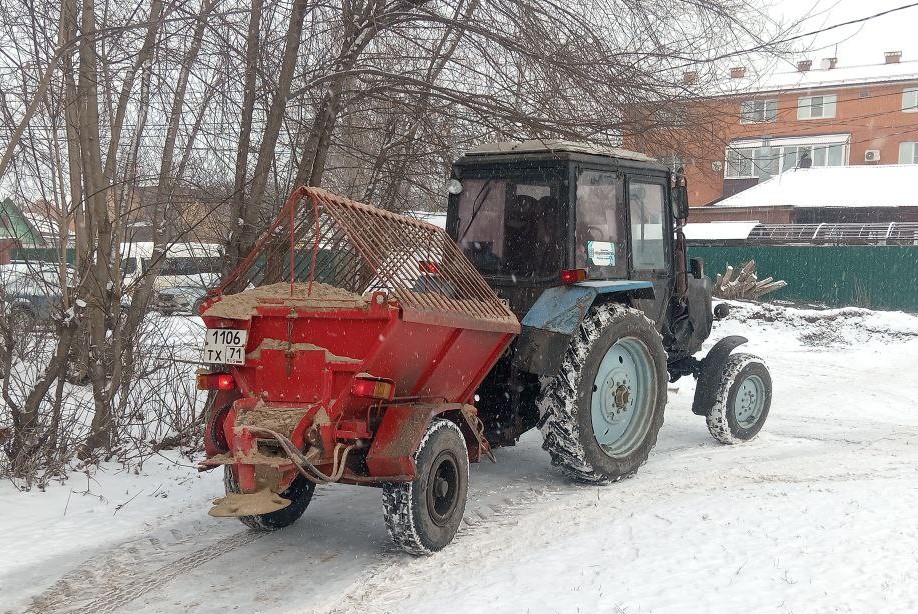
<point>299,460</point>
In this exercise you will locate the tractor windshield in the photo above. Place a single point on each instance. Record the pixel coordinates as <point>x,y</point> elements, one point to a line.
<point>511,226</point>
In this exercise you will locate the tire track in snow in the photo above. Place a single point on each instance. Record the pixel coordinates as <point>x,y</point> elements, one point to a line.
<point>491,512</point>
<point>107,582</point>
<point>553,516</point>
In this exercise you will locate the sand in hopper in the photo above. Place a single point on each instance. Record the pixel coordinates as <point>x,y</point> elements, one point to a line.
<point>241,306</point>
<point>292,348</point>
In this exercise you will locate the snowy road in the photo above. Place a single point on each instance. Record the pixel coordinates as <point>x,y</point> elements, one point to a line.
<point>816,515</point>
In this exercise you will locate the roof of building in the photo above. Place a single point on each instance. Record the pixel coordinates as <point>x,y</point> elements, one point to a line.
<point>889,185</point>
<point>15,225</point>
<point>555,146</point>
<point>820,77</point>
<point>437,219</point>
<point>718,231</point>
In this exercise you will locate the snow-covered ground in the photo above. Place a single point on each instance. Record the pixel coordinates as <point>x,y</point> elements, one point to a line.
<point>816,515</point>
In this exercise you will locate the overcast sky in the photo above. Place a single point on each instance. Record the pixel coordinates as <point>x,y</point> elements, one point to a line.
<point>858,44</point>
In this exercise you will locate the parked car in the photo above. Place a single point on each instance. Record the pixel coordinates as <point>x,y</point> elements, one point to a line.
<point>184,264</point>
<point>29,296</point>
<point>179,299</point>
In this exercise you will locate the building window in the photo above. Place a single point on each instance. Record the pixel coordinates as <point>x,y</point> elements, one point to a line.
<point>673,162</point>
<point>751,162</point>
<point>816,107</point>
<point>765,161</point>
<point>910,100</point>
<point>675,116</point>
<point>758,111</point>
<point>908,153</point>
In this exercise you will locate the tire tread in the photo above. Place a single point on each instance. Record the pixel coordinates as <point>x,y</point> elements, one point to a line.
<point>558,403</point>
<point>717,421</point>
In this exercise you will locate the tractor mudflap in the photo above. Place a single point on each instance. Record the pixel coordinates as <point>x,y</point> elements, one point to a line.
<point>709,373</point>
<point>473,426</point>
<point>234,505</point>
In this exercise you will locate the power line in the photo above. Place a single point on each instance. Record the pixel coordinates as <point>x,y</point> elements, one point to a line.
<point>813,32</point>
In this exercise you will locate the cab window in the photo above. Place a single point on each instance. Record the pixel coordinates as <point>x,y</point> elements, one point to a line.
<point>597,241</point>
<point>511,226</point>
<point>646,206</point>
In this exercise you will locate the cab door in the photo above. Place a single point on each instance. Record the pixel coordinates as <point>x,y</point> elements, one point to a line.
<point>649,233</point>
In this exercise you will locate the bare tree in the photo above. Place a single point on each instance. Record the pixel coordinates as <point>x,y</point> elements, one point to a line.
<point>182,120</point>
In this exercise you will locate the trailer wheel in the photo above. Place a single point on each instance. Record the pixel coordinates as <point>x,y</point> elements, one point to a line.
<point>423,516</point>
<point>743,400</point>
<point>601,414</point>
<point>299,492</point>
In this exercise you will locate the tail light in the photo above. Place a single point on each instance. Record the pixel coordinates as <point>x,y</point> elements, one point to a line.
<point>573,276</point>
<point>373,388</point>
<point>216,381</point>
<point>429,267</point>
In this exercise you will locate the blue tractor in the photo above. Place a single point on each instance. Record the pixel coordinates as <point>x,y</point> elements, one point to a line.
<point>585,245</point>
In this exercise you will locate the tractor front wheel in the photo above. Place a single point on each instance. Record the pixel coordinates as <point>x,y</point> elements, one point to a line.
<point>601,414</point>
<point>743,400</point>
<point>423,516</point>
<point>299,493</point>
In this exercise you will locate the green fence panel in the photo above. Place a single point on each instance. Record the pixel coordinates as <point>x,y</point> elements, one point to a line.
<point>42,254</point>
<point>879,276</point>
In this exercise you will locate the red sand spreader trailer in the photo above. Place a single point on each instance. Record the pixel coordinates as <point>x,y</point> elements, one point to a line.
<point>355,359</point>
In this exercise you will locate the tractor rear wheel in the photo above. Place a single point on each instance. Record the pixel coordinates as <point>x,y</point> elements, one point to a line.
<point>743,400</point>
<point>423,516</point>
<point>601,414</point>
<point>299,493</point>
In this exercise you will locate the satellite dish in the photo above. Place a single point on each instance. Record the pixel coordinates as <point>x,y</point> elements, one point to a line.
<point>826,64</point>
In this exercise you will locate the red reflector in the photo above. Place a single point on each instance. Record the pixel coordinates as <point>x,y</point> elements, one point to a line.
<point>375,388</point>
<point>216,381</point>
<point>572,276</point>
<point>427,266</point>
<point>225,381</point>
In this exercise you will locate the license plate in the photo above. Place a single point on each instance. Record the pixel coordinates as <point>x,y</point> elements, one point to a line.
<point>224,346</point>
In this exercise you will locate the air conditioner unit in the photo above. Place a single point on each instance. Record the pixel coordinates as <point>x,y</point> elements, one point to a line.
<point>872,155</point>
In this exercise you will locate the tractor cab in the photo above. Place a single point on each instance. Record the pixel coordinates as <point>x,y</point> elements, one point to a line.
<point>537,214</point>
<point>565,232</point>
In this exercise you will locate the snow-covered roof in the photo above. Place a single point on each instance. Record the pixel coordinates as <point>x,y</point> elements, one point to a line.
<point>718,231</point>
<point>552,146</point>
<point>816,78</point>
<point>890,185</point>
<point>48,228</point>
<point>437,219</point>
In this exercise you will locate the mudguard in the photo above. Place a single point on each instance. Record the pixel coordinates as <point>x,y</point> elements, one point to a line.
<point>709,374</point>
<point>554,318</point>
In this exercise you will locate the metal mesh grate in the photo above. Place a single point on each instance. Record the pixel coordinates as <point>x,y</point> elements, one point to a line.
<point>360,248</point>
<point>897,233</point>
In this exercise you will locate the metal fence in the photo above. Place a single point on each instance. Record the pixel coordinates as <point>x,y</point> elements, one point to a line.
<point>896,233</point>
<point>876,276</point>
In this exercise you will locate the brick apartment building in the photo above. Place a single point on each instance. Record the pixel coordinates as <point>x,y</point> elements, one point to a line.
<point>837,115</point>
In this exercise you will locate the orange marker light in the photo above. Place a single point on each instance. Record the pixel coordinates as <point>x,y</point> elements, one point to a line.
<point>373,388</point>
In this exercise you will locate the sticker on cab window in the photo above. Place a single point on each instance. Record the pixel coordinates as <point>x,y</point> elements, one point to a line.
<point>601,253</point>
